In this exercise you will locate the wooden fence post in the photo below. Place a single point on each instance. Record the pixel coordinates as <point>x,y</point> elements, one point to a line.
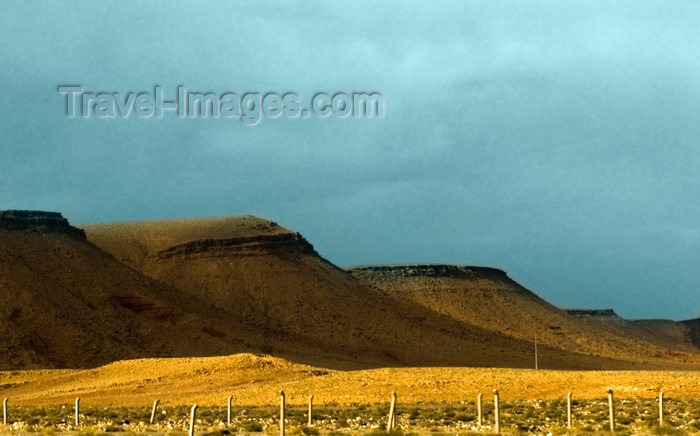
<point>478,409</point>
<point>77,411</point>
<point>496,414</point>
<point>568,410</point>
<point>153,411</point>
<point>392,413</point>
<point>228,411</point>
<point>193,414</point>
<point>282,413</point>
<point>311,400</point>
<point>4,411</point>
<point>612,410</point>
<point>661,409</point>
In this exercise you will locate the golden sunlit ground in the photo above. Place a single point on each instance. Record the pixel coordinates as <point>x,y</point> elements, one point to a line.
<point>118,397</point>
<point>256,380</point>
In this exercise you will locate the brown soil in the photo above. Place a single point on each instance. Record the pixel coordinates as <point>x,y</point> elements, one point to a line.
<point>489,299</point>
<point>68,304</point>
<point>257,380</point>
<point>270,278</point>
<point>218,286</point>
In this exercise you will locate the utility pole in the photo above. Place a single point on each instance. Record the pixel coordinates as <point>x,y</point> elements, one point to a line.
<point>536,365</point>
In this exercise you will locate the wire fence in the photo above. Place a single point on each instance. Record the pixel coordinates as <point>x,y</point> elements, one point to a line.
<point>488,413</point>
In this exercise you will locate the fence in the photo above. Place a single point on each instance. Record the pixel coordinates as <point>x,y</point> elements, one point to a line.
<point>483,421</point>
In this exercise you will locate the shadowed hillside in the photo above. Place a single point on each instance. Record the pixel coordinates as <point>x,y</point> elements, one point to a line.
<point>67,303</point>
<point>216,286</point>
<point>276,283</point>
<point>694,326</point>
<point>489,299</point>
<point>676,336</point>
<point>272,280</point>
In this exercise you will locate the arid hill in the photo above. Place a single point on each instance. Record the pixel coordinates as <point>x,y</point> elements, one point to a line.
<point>273,280</point>
<point>68,304</point>
<point>675,336</point>
<point>82,297</point>
<point>489,299</point>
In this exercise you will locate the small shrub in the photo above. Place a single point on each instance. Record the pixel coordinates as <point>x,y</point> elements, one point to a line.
<point>217,432</point>
<point>380,432</point>
<point>464,417</point>
<point>667,430</point>
<point>624,420</point>
<point>252,427</point>
<point>309,430</point>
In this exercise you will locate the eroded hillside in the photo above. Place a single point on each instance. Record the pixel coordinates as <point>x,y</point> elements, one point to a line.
<point>488,298</point>
<point>81,297</point>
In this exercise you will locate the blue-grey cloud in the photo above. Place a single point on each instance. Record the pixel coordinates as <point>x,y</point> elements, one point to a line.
<point>556,140</point>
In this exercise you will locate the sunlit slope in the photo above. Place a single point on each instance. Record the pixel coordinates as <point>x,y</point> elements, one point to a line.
<point>273,281</point>
<point>135,242</point>
<point>677,337</point>
<point>489,299</point>
<point>66,303</point>
<point>257,379</point>
<point>217,286</point>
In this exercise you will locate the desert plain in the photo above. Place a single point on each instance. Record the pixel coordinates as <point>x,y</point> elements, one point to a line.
<point>203,310</point>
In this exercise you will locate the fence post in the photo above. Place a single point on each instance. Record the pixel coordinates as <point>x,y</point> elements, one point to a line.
<point>281,413</point>
<point>568,410</point>
<point>153,411</point>
<point>228,411</point>
<point>661,409</point>
<point>612,410</point>
<point>392,411</point>
<point>478,409</point>
<point>4,411</point>
<point>192,417</point>
<point>496,415</point>
<point>311,400</point>
<point>77,411</point>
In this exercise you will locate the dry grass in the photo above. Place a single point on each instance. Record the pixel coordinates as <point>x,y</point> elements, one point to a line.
<point>256,380</point>
<point>117,397</point>
<point>634,416</point>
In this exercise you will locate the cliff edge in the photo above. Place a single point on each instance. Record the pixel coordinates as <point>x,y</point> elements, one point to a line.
<point>38,220</point>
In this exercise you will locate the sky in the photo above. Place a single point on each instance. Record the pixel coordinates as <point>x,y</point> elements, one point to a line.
<point>556,140</point>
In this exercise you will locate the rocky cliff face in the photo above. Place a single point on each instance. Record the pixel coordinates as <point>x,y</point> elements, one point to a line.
<point>427,270</point>
<point>694,327</point>
<point>37,220</point>
<point>224,247</point>
<point>592,312</point>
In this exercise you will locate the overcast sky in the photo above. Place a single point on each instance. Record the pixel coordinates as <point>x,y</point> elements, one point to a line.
<point>559,141</point>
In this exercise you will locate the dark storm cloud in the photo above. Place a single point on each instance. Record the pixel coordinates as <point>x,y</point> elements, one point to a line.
<point>556,140</point>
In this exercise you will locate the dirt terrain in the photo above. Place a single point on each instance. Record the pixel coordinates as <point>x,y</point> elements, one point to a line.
<point>68,304</point>
<point>257,379</point>
<point>83,297</point>
<point>194,311</point>
<point>272,279</point>
<point>488,298</point>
